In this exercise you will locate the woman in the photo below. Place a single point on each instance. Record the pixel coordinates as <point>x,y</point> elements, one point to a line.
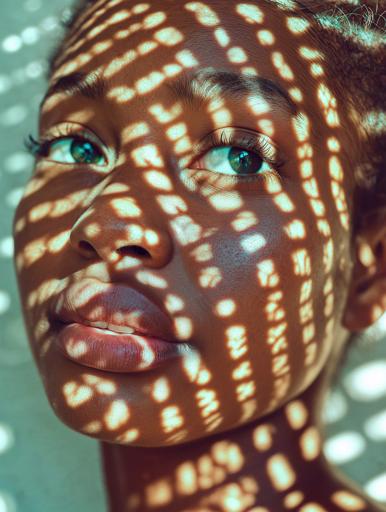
<point>203,230</point>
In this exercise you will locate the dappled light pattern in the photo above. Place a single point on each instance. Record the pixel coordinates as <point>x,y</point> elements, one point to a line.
<point>179,249</point>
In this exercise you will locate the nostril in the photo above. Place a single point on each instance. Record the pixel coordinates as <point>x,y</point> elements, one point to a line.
<point>133,250</point>
<point>86,246</point>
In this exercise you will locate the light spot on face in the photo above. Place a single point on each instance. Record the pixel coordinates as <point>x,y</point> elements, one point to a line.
<point>266,274</point>
<point>121,94</point>
<point>226,203</point>
<point>258,105</point>
<point>225,308</point>
<point>169,36</point>
<point>159,181</point>
<point>296,94</point>
<point>328,103</point>
<point>75,394</point>
<point>237,55</point>
<point>236,341</point>
<point>140,8</point>
<point>316,70</point>
<point>171,204</point>
<point>297,25</point>
<point>296,414</point>
<point>154,19</point>
<point>92,428</point>
<point>186,230</point>
<point>207,402</point>
<point>171,418</point>
<point>253,243</point>
<point>149,83</point>
<point>302,262</point>
<point>186,59</point>
<point>161,390</point>
<point>183,327</point>
<point>244,220</point>
<point>265,37</point>
<point>147,155</point>
<point>250,12</point>
<point>222,37</point>
<point>103,386</point>
<point>296,230</point>
<point>76,349</point>
<point>204,14</point>
<point>301,125</point>
<point>116,415</point>
<point>282,67</point>
<point>129,436</point>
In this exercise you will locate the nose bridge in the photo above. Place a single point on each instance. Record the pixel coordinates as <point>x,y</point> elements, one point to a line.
<point>120,222</point>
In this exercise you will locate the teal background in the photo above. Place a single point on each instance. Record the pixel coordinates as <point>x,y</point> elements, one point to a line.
<point>44,466</point>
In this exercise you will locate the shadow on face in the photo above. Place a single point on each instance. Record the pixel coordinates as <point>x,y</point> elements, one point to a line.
<point>181,240</point>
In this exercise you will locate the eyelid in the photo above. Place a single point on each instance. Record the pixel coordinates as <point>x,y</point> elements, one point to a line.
<point>68,130</point>
<point>243,136</point>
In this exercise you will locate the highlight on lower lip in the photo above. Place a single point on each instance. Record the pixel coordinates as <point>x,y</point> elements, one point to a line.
<point>116,352</point>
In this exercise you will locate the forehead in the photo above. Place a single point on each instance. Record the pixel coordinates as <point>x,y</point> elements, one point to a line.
<point>122,31</point>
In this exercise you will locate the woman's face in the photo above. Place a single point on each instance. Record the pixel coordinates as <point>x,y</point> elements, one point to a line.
<point>222,198</point>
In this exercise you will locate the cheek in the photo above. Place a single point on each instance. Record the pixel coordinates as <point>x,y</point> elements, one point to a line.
<point>272,319</point>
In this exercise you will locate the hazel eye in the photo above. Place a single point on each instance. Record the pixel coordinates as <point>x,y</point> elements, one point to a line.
<point>72,150</point>
<point>233,161</point>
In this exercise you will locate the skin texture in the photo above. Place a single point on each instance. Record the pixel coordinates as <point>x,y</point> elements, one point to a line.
<point>261,280</point>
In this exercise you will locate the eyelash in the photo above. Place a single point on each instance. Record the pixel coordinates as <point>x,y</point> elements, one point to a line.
<point>39,148</point>
<point>257,144</point>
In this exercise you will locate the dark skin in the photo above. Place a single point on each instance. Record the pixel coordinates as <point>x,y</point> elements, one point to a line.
<point>261,279</point>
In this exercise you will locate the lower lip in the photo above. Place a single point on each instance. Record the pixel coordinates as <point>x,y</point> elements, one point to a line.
<point>107,351</point>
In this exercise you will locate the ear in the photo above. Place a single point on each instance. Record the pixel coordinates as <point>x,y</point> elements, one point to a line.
<point>366,301</point>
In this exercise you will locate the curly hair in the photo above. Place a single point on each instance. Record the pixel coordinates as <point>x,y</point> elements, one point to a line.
<point>351,33</point>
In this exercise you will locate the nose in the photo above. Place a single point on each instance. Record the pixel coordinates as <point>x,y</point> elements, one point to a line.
<point>109,232</point>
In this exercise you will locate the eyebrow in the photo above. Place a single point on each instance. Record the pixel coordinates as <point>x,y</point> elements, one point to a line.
<point>193,88</point>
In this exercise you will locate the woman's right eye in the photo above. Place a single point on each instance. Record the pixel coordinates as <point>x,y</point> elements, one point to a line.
<point>66,150</point>
<point>73,150</point>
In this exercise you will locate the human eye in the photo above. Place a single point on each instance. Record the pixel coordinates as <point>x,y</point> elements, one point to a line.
<point>67,146</point>
<point>234,157</point>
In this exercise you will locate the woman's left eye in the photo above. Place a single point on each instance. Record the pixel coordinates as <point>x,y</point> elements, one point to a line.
<point>233,160</point>
<point>73,150</point>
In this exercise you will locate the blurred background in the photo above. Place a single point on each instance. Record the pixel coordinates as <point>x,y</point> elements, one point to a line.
<point>44,466</point>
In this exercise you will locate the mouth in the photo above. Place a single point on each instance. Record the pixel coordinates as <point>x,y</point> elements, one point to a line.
<point>116,308</point>
<point>121,352</point>
<point>112,327</point>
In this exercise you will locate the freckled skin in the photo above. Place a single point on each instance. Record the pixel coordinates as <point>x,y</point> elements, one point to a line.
<point>294,365</point>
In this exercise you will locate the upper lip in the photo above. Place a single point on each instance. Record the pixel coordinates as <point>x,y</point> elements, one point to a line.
<point>89,301</point>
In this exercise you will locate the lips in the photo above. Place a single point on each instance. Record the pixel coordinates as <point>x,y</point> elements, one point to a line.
<point>113,307</point>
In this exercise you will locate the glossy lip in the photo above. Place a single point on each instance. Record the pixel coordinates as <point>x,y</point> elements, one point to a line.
<point>104,350</point>
<point>114,304</point>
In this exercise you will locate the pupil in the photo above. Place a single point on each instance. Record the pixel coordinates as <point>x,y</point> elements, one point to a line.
<point>244,162</point>
<point>84,152</point>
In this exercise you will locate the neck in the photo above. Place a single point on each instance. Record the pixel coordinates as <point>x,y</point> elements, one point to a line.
<point>274,463</point>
